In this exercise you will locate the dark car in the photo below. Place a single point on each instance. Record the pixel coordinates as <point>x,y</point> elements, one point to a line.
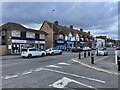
<point>76,49</point>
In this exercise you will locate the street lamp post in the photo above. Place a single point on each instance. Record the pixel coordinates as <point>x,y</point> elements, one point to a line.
<point>52,26</point>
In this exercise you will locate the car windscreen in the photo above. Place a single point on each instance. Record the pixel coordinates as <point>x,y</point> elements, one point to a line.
<point>24,50</point>
<point>32,49</point>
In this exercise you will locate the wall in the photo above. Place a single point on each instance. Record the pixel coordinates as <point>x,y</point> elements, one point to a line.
<point>48,30</point>
<point>3,50</point>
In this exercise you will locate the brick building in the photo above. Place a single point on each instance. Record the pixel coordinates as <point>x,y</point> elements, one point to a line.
<point>64,37</point>
<point>16,37</point>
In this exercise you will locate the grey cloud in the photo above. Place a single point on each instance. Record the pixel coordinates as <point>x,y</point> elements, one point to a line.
<point>88,15</point>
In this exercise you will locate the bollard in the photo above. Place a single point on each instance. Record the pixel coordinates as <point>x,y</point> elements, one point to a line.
<point>118,58</point>
<point>88,53</point>
<point>85,54</point>
<point>92,58</point>
<point>97,53</point>
<point>79,54</point>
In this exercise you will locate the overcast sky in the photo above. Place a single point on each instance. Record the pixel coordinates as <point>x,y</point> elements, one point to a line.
<point>101,18</point>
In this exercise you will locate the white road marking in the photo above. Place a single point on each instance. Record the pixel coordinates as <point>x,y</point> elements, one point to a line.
<point>54,66</point>
<point>27,72</point>
<point>62,63</point>
<point>38,69</point>
<point>65,73</point>
<point>61,83</point>
<point>13,76</point>
<point>101,58</point>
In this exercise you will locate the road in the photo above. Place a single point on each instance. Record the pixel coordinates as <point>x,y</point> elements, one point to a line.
<point>57,71</point>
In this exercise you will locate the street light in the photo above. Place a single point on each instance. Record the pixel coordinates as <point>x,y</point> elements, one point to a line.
<point>52,25</point>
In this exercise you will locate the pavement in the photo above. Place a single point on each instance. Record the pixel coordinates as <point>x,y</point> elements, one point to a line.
<point>101,63</point>
<point>7,57</point>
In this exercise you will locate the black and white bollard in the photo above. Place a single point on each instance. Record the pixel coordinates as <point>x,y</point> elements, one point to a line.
<point>118,59</point>
<point>88,53</point>
<point>92,58</point>
<point>85,54</point>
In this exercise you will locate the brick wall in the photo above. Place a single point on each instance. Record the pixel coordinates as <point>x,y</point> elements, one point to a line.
<point>46,28</point>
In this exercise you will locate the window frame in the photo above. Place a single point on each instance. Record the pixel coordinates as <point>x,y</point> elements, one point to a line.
<point>14,34</point>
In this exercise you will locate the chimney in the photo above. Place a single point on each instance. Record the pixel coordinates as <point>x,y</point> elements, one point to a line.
<point>71,26</point>
<point>81,30</point>
<point>88,32</point>
<point>56,22</point>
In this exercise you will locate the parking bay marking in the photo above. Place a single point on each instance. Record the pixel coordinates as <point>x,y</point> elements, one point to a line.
<point>61,83</point>
<point>27,72</point>
<point>54,66</point>
<point>74,75</point>
<point>62,63</point>
<point>13,76</point>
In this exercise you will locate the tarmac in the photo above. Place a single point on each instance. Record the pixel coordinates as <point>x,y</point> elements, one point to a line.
<point>104,64</point>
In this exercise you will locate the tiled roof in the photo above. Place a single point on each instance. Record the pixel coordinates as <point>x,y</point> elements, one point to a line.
<point>66,30</point>
<point>16,26</point>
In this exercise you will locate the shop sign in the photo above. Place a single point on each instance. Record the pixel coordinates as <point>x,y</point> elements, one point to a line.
<point>68,42</point>
<point>81,42</point>
<point>41,42</point>
<point>30,41</point>
<point>59,42</point>
<point>18,41</point>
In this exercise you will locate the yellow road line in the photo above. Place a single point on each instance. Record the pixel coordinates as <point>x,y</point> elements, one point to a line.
<point>93,67</point>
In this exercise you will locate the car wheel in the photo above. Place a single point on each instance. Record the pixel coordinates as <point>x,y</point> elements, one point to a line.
<point>43,54</point>
<point>52,53</point>
<point>60,52</point>
<point>29,56</point>
<point>105,54</point>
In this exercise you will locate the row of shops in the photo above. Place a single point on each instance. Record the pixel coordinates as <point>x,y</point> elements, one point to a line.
<point>17,45</point>
<point>67,45</point>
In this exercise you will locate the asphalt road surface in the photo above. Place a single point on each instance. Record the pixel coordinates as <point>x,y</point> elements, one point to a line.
<point>57,71</point>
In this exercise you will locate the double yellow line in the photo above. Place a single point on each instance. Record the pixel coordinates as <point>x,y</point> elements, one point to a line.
<point>93,67</point>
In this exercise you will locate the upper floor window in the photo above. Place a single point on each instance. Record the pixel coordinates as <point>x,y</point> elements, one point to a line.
<point>30,35</point>
<point>16,33</point>
<point>69,38</point>
<point>60,36</point>
<point>2,33</point>
<point>42,36</point>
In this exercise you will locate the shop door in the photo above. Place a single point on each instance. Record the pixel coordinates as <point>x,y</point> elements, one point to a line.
<point>15,48</point>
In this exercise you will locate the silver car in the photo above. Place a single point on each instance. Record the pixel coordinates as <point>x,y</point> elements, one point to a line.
<point>53,51</point>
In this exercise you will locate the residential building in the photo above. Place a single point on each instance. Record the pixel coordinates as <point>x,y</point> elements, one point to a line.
<point>16,37</point>
<point>63,37</point>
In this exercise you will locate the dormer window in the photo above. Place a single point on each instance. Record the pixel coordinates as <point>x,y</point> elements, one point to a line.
<point>60,36</point>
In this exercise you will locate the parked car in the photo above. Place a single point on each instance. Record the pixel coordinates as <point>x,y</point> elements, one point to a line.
<point>32,52</point>
<point>76,49</point>
<point>53,51</point>
<point>94,48</point>
<point>118,51</point>
<point>101,51</point>
<point>86,49</point>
